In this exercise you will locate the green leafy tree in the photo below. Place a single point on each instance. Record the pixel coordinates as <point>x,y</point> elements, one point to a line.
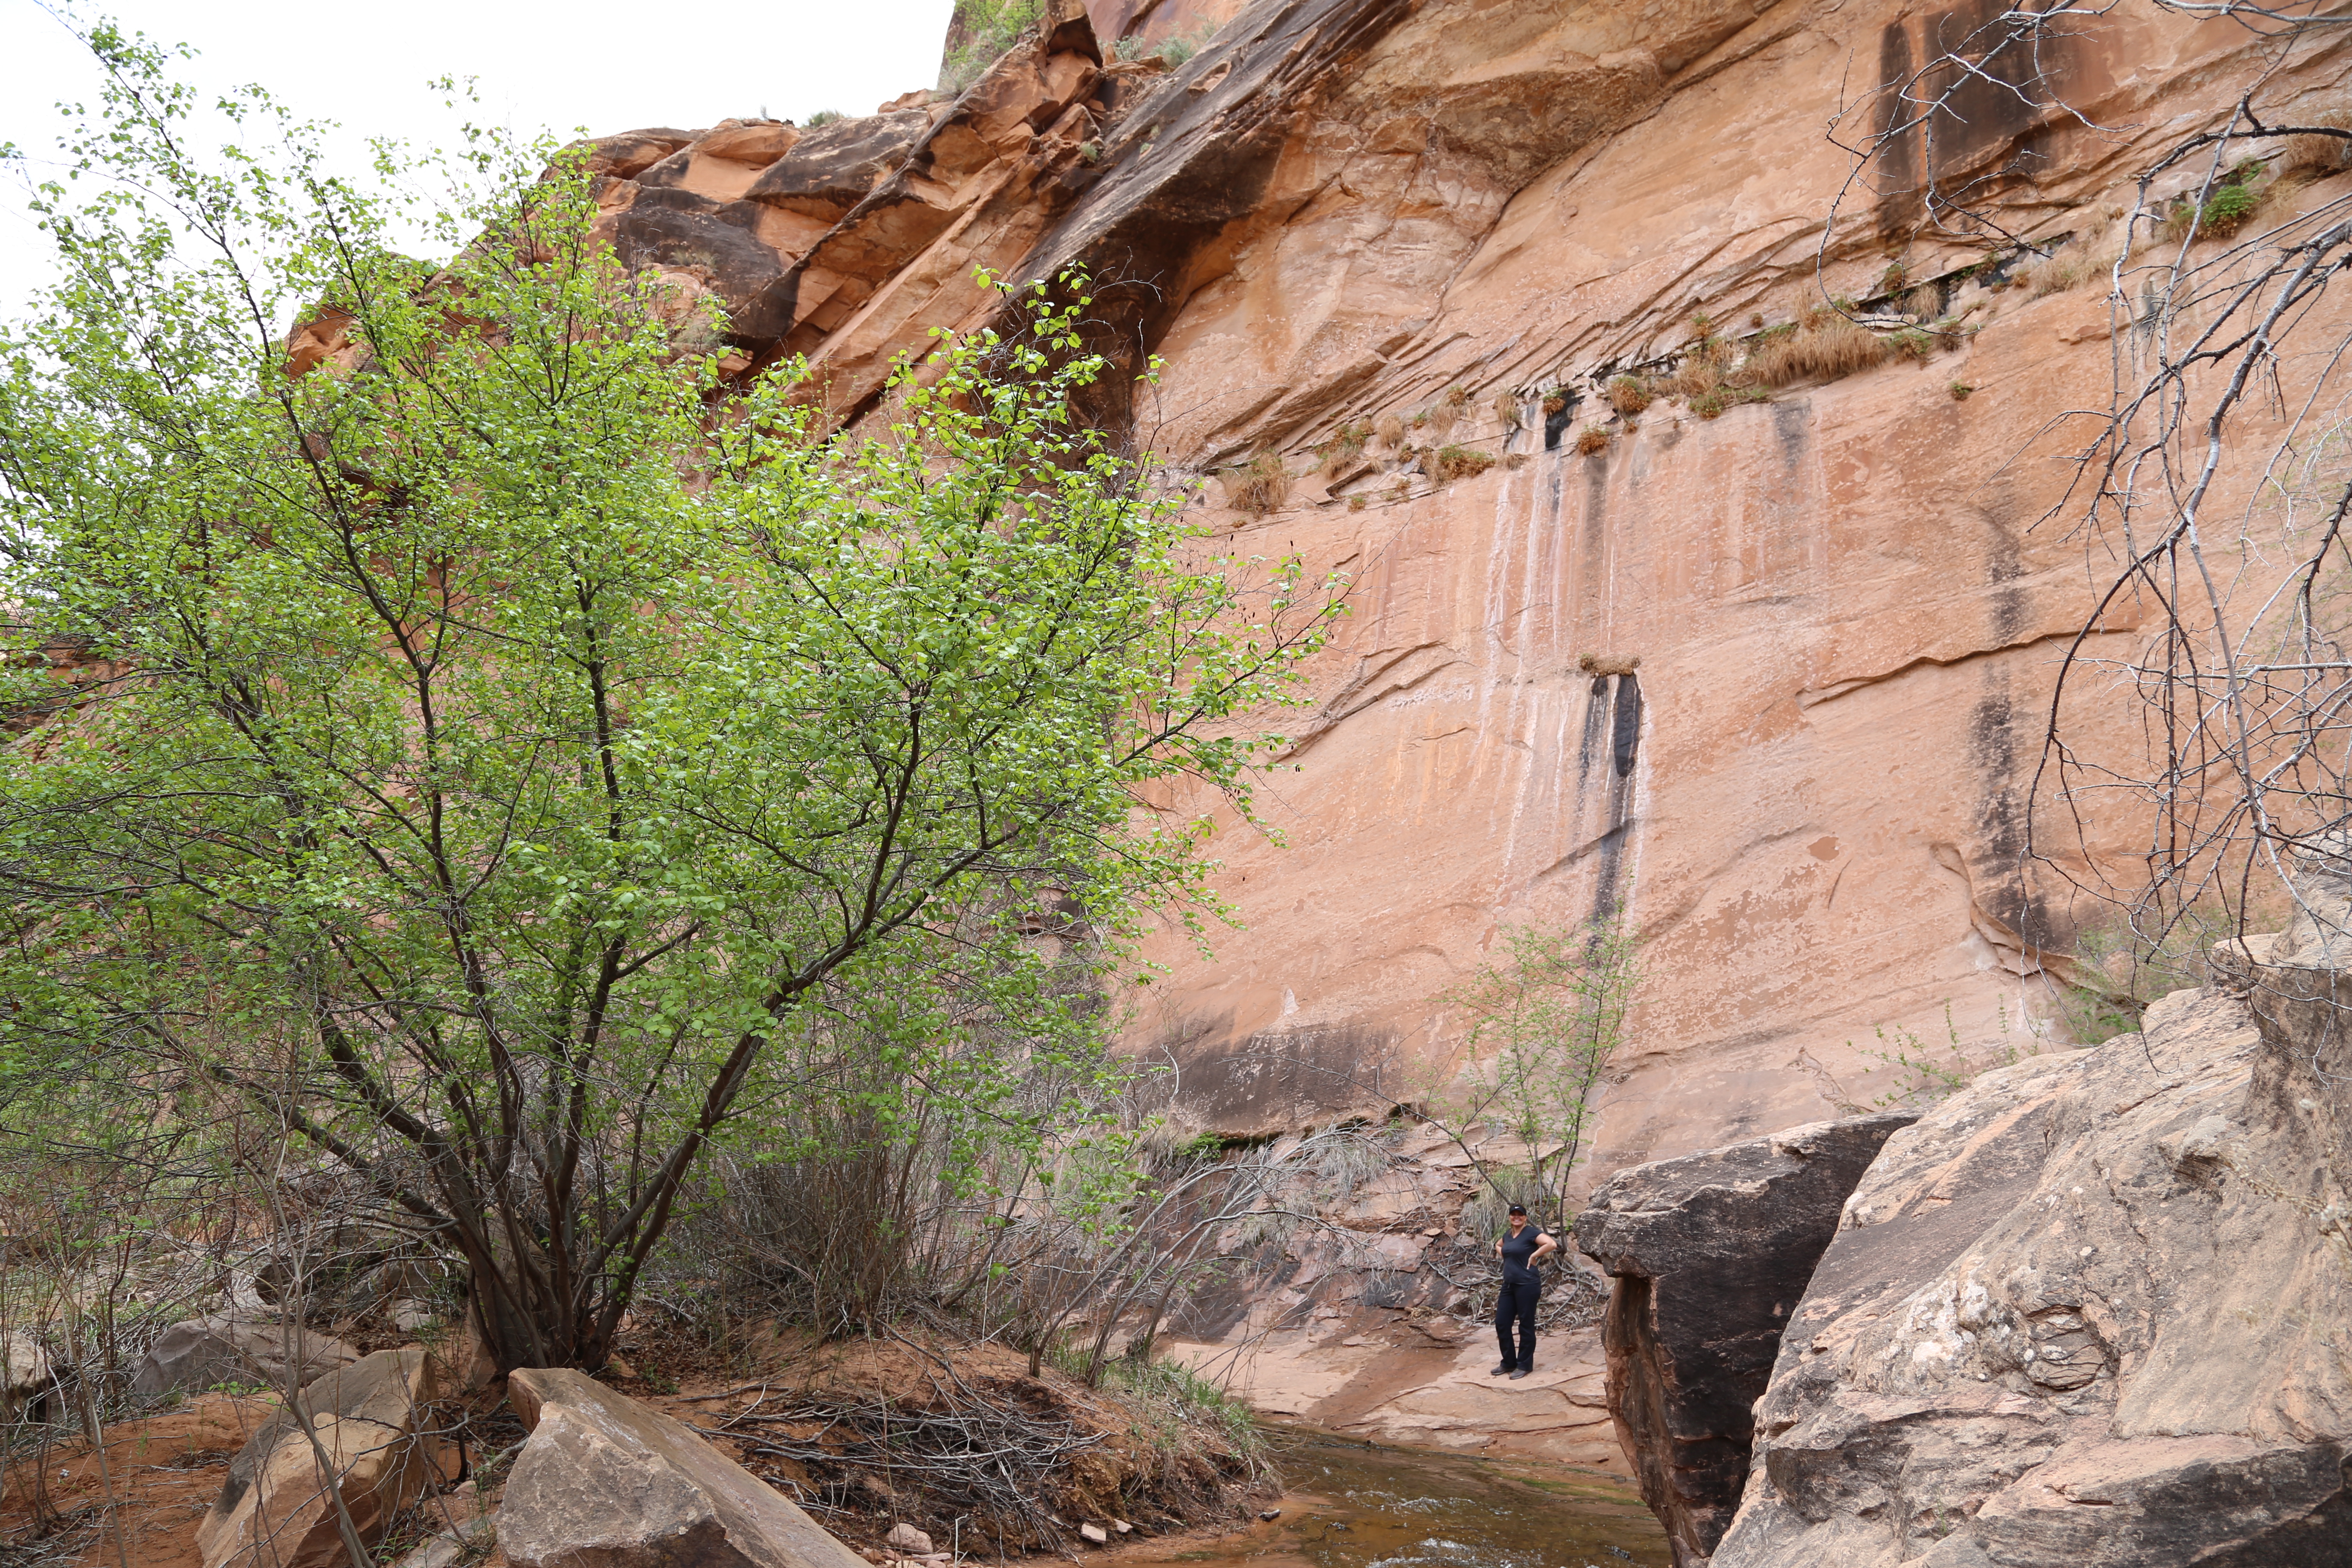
<point>510,754</point>
<point>1545,1024</point>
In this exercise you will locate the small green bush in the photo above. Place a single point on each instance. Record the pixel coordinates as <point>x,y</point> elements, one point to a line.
<point>821,117</point>
<point>2227,206</point>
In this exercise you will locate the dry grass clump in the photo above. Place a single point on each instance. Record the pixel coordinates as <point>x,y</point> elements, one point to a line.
<point>1258,486</point>
<point>1702,370</point>
<point>1356,502</point>
<point>2062,270</point>
<point>1460,463</point>
<point>1608,663</point>
<point>1555,398</point>
<point>1389,430</point>
<point>1347,444</point>
<point>1591,440</point>
<point>1441,417</point>
<point>1825,346</point>
<point>2320,155</point>
<point>1629,395</point>
<point>1507,410</point>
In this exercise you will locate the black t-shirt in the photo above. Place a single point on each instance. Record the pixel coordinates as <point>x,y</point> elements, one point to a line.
<point>1517,1250</point>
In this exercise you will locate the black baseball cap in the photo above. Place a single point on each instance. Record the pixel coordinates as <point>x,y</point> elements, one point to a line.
<point>1518,1208</point>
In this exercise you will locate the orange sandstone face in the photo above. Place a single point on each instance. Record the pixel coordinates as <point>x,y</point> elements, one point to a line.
<point>1775,678</point>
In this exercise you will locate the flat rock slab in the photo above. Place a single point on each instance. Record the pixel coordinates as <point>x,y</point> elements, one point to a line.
<point>604,1482</point>
<point>373,1446</point>
<point>204,1353</point>
<point>1711,1254</point>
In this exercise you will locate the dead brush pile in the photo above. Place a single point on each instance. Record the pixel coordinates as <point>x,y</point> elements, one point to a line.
<point>966,1446</point>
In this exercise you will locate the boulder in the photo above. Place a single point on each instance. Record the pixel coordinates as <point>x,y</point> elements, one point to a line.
<point>604,1482</point>
<point>2089,1311</point>
<point>375,1446</point>
<point>234,1348</point>
<point>25,1374</point>
<point>1709,1254</point>
<point>907,1538</point>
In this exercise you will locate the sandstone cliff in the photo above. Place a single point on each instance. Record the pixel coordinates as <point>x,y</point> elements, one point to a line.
<point>1390,252</point>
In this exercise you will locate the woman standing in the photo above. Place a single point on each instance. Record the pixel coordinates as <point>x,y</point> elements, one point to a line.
<point>1526,1246</point>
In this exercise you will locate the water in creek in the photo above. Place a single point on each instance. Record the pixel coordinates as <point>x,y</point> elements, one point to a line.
<point>1352,1504</point>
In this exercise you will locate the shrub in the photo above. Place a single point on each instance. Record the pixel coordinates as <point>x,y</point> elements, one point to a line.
<point>2232,200</point>
<point>1356,503</point>
<point>1555,398</point>
<point>1184,47</point>
<point>1896,277</point>
<point>1713,403</point>
<point>1591,440</point>
<point>1462,462</point>
<point>1960,391</point>
<point>1507,410</point>
<point>1629,395</point>
<point>1441,417</point>
<point>1911,343</point>
<point>821,117</point>
<point>1389,430</point>
<point>1258,486</point>
<point>1608,663</point>
<point>1347,444</point>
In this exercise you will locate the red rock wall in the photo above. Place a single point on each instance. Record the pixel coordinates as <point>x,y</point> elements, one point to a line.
<point>1845,611</point>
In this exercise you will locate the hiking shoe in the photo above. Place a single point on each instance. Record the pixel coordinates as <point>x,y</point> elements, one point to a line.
<point>1520,1373</point>
<point>1499,1371</point>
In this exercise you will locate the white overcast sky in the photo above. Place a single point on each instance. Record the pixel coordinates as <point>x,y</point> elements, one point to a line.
<point>607,66</point>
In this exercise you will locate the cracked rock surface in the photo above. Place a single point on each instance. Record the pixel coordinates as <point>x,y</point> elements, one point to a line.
<point>2091,1310</point>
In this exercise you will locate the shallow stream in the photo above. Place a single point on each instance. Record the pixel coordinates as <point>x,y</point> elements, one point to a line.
<point>1353,1504</point>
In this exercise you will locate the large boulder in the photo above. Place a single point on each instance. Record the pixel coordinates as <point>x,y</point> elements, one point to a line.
<point>1710,1253</point>
<point>375,1446</point>
<point>603,1482</point>
<point>203,1352</point>
<point>2090,1311</point>
<point>26,1378</point>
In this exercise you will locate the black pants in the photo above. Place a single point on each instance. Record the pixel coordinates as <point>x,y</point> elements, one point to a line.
<point>1518,1302</point>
